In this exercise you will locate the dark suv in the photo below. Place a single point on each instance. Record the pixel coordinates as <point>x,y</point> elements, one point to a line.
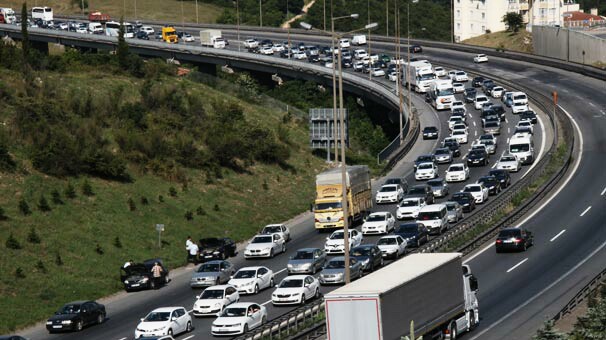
<point>465,199</point>
<point>492,183</point>
<point>213,248</point>
<point>414,233</point>
<point>477,157</point>
<point>513,239</point>
<point>421,190</point>
<point>369,255</point>
<point>502,176</point>
<point>139,276</point>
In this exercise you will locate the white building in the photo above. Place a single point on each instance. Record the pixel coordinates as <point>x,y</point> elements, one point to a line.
<point>548,12</point>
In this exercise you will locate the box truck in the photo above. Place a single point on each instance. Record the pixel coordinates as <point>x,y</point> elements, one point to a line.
<point>328,208</point>
<point>212,38</point>
<point>9,15</point>
<point>420,74</point>
<point>435,291</point>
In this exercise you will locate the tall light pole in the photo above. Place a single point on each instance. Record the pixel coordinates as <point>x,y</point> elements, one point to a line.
<point>135,9</point>
<point>451,22</point>
<point>261,13</point>
<point>400,76</point>
<point>387,18</point>
<point>369,48</point>
<point>408,65</point>
<point>238,23</point>
<point>197,21</point>
<point>343,163</point>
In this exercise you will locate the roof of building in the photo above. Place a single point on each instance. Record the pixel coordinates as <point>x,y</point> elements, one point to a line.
<point>579,16</point>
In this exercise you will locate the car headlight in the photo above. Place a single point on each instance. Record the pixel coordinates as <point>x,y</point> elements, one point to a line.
<point>66,322</point>
<point>144,280</point>
<point>290,266</point>
<point>216,252</point>
<point>49,322</point>
<point>126,281</point>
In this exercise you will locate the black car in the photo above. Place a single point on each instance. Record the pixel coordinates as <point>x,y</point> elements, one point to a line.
<point>286,53</point>
<point>397,180</point>
<point>477,81</point>
<point>486,84</point>
<point>492,183</point>
<point>12,337</point>
<point>313,58</point>
<point>499,110</point>
<point>142,35</point>
<point>76,315</point>
<point>454,146</point>
<point>139,276</point>
<point>421,190</point>
<point>216,248</point>
<point>415,49</point>
<point>513,239</point>
<point>465,199</point>
<point>414,233</point>
<point>430,132</point>
<point>528,115</point>
<point>346,63</point>
<point>424,159</point>
<point>470,94</point>
<point>477,157</point>
<point>503,177</point>
<point>369,255</point>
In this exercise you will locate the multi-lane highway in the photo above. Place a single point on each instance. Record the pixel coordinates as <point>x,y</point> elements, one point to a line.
<point>517,291</point>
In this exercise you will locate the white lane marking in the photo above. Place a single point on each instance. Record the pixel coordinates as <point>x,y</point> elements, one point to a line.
<point>189,337</point>
<point>464,156</point>
<point>506,122</point>
<point>603,192</point>
<point>592,104</point>
<point>558,235</point>
<point>123,338</point>
<point>508,132</point>
<point>507,140</point>
<point>554,195</point>
<point>495,164</point>
<point>585,211</point>
<point>476,131</point>
<point>546,289</point>
<point>266,302</point>
<point>517,265</point>
<point>470,116</point>
<point>280,271</point>
<point>474,123</point>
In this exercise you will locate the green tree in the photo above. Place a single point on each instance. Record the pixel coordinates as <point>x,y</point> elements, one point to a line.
<point>593,325</point>
<point>3,216</point>
<point>122,50</point>
<point>548,332</point>
<point>24,207</point>
<point>25,35</point>
<point>513,21</point>
<point>70,191</point>
<point>6,161</point>
<point>43,204</point>
<point>12,243</point>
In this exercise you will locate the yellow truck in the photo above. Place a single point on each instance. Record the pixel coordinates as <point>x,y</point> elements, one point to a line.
<point>328,209</point>
<point>169,35</point>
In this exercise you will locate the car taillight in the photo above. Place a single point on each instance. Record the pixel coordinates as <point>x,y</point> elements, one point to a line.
<point>317,220</point>
<point>518,240</point>
<point>499,241</point>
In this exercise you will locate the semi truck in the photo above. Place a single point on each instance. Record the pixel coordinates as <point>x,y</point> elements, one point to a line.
<point>441,94</point>
<point>420,74</point>
<point>98,17</point>
<point>169,35</point>
<point>7,15</point>
<point>435,291</point>
<point>328,208</point>
<point>212,38</point>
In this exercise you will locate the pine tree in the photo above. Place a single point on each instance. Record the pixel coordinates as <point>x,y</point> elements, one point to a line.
<point>70,191</point>
<point>43,204</point>
<point>87,189</point>
<point>122,50</point>
<point>548,332</point>
<point>56,197</point>
<point>24,207</point>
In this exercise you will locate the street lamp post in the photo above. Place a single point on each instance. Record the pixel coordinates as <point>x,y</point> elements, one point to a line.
<point>260,13</point>
<point>197,21</point>
<point>408,68</point>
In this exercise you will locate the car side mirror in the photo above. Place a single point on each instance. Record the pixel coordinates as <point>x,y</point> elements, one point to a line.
<point>260,275</point>
<point>173,319</point>
<point>197,296</point>
<point>142,319</point>
<point>473,283</point>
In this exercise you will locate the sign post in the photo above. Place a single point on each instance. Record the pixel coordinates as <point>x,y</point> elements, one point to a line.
<point>160,229</point>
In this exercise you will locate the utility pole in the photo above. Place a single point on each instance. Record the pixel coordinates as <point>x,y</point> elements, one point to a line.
<point>197,21</point>
<point>260,13</point>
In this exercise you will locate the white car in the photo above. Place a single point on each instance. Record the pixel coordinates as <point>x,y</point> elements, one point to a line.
<point>460,126</point>
<point>377,72</point>
<point>358,66</point>
<point>188,37</point>
<point>451,74</point>
<point>296,289</point>
<point>454,120</point>
<point>164,321</point>
<point>250,280</point>
<point>460,135</point>
<point>427,170</point>
<point>458,87</point>
<point>335,244</point>
<point>457,104</point>
<point>409,208</point>
<point>478,191</point>
<point>278,48</point>
<point>479,101</point>
<point>378,223</point>
<point>389,193</point>
<point>148,29</point>
<point>480,58</point>
<point>518,107</point>
<point>439,71</point>
<point>519,97</point>
<point>214,299</point>
<point>81,29</point>
<point>457,172</point>
<point>239,318</point>
<point>527,124</point>
<point>497,92</point>
<point>265,246</point>
<point>267,50</point>
<point>509,162</point>
<point>393,76</point>
<point>251,43</point>
<point>360,53</point>
<point>392,246</point>
<point>344,43</point>
<point>299,55</point>
<point>281,229</point>
<point>461,76</point>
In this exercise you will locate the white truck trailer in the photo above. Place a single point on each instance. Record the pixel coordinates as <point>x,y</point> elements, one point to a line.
<point>212,38</point>
<point>420,74</point>
<point>436,291</point>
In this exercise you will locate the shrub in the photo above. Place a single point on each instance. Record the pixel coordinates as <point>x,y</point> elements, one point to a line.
<point>40,266</point>
<point>43,204</point>
<point>33,237</point>
<point>6,161</point>
<point>19,273</point>
<point>200,211</point>
<point>117,242</point>
<point>99,250</point>
<point>87,189</point>
<point>12,243</point>
<point>265,186</point>
<point>189,215</point>
<point>58,260</point>
<point>160,198</point>
<point>70,191</point>
<point>216,207</point>
<point>3,216</point>
<point>172,192</point>
<point>144,200</point>
<point>131,205</point>
<point>56,197</point>
<point>24,207</point>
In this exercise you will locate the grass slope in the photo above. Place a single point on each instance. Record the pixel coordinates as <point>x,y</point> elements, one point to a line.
<point>521,41</point>
<point>166,10</point>
<point>83,230</point>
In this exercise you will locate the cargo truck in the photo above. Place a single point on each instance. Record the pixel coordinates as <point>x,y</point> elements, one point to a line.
<point>98,17</point>
<point>435,291</point>
<point>420,74</point>
<point>169,35</point>
<point>328,209</point>
<point>212,38</point>
<point>8,16</point>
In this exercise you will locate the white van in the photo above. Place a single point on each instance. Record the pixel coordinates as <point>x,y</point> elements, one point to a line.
<point>95,28</point>
<point>358,40</point>
<point>434,217</point>
<point>522,146</point>
<point>44,13</point>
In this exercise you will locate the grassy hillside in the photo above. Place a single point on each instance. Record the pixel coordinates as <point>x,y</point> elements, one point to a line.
<point>520,41</point>
<point>92,157</point>
<point>167,10</point>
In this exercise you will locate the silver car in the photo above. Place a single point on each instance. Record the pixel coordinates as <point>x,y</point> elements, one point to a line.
<point>306,260</point>
<point>212,273</point>
<point>334,271</point>
<point>443,155</point>
<point>454,211</point>
<point>439,187</point>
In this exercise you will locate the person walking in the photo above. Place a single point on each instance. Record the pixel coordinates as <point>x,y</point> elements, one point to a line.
<point>157,274</point>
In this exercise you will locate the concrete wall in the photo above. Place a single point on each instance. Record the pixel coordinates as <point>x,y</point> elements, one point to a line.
<point>569,45</point>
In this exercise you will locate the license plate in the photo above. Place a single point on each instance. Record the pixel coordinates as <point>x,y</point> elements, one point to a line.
<point>57,326</point>
<point>135,285</point>
<point>508,241</point>
<point>208,256</point>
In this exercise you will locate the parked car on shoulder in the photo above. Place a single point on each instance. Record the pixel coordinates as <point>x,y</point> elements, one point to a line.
<point>74,316</point>
<point>139,276</point>
<point>213,248</point>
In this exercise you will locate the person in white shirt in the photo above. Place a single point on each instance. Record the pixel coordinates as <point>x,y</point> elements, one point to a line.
<point>193,252</point>
<point>188,244</point>
<point>128,263</point>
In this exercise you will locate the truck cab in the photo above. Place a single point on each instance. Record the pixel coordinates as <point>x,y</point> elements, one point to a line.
<point>441,94</point>
<point>169,35</point>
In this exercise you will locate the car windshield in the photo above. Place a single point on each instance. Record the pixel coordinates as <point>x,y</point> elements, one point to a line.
<point>262,239</point>
<point>209,268</point>
<point>455,168</point>
<point>461,73</point>
<point>472,188</point>
<point>481,99</point>
<point>375,218</point>
<point>212,294</point>
<point>409,203</point>
<point>450,206</point>
<point>487,180</point>
<point>455,119</point>
<point>435,183</point>
<point>416,190</point>
<point>388,188</point>
<point>428,76</point>
<point>462,198</point>
<point>508,159</point>
<point>488,142</point>
<point>407,228</point>
<point>519,97</point>
<point>458,132</point>
<point>491,124</point>
<point>328,206</point>
<point>430,129</point>
<point>335,264</point>
<point>363,251</point>
<point>519,147</point>
<point>445,92</point>
<point>429,215</point>
<point>442,152</point>
<point>387,240</point>
<point>70,309</point>
<point>272,229</point>
<point>337,236</point>
<point>476,153</point>
<point>304,255</point>
<point>426,166</point>
<point>245,274</point>
<point>291,283</point>
<point>509,233</point>
<point>421,159</point>
<point>157,316</point>
<point>234,312</point>
<point>393,181</point>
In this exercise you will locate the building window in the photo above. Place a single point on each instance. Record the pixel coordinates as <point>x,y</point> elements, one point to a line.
<point>483,15</point>
<point>458,13</point>
<point>458,26</point>
<point>472,27</point>
<point>483,28</point>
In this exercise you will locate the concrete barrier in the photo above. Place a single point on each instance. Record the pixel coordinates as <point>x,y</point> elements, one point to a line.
<point>569,45</point>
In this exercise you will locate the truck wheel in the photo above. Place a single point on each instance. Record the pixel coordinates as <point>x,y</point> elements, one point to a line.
<point>453,331</point>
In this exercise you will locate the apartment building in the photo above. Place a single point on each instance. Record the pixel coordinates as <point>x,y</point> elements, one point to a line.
<point>475,17</point>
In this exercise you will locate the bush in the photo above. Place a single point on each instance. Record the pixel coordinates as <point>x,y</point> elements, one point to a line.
<point>87,189</point>
<point>160,198</point>
<point>70,191</point>
<point>33,236</point>
<point>189,215</point>
<point>58,260</point>
<point>12,243</point>
<point>56,197</point>
<point>131,205</point>
<point>117,242</point>
<point>99,250</point>
<point>7,163</point>
<point>172,192</point>
<point>43,204</point>
<point>24,207</point>
<point>200,211</point>
<point>19,273</point>
<point>144,200</point>
<point>3,216</point>
<point>40,266</point>
<point>265,186</point>
<point>216,207</point>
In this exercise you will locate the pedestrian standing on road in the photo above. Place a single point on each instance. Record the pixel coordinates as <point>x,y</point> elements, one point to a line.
<point>157,274</point>
<point>193,253</point>
<point>188,244</point>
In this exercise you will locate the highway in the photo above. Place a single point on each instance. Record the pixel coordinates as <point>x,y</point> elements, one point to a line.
<point>517,291</point>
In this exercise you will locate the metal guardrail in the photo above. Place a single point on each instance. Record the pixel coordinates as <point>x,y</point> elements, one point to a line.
<point>589,289</point>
